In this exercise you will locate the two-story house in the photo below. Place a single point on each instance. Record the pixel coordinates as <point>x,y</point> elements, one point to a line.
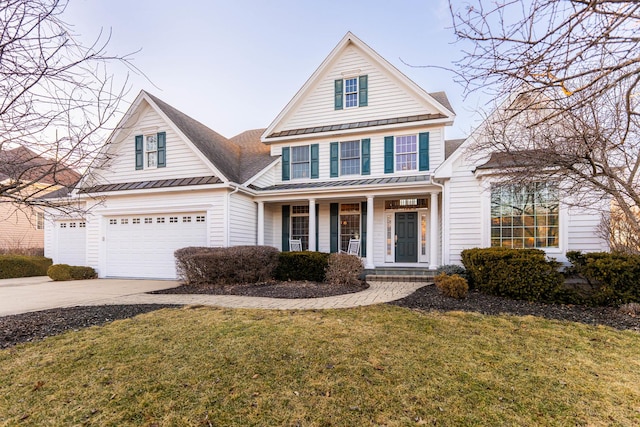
<point>354,154</point>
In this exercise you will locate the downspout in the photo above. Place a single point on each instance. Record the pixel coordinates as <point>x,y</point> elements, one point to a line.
<point>237,188</point>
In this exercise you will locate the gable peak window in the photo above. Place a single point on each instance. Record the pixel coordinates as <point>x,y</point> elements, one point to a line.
<point>351,92</point>
<point>150,150</point>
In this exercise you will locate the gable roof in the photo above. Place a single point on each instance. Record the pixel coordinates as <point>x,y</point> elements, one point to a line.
<point>224,154</point>
<point>437,99</point>
<point>254,155</point>
<point>22,164</point>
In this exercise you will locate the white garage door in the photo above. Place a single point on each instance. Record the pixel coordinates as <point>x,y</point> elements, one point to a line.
<point>142,246</point>
<point>71,238</point>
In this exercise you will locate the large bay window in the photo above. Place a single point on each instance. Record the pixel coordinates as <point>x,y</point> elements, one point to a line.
<point>525,216</point>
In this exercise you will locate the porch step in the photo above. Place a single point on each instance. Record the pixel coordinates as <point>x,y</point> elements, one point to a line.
<point>399,274</point>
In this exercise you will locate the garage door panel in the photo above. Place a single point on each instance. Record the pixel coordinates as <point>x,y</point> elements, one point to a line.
<point>71,242</point>
<point>143,246</point>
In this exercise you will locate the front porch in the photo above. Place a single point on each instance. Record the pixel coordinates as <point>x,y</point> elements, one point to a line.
<point>396,230</point>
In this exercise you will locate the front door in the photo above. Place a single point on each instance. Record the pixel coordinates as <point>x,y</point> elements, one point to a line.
<point>407,237</point>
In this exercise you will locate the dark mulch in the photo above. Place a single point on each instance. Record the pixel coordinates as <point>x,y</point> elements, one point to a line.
<point>292,289</point>
<point>41,324</point>
<point>34,326</point>
<point>429,298</point>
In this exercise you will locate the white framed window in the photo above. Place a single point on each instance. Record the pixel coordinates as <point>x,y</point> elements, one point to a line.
<point>39,220</point>
<point>351,92</point>
<point>173,219</point>
<point>124,221</point>
<point>350,158</point>
<point>525,216</point>
<point>406,153</point>
<point>148,220</point>
<point>300,162</point>
<point>151,150</point>
<point>349,224</point>
<point>82,224</point>
<point>200,218</point>
<point>136,221</point>
<point>64,224</point>
<point>113,221</point>
<point>160,220</point>
<point>186,219</point>
<point>72,225</point>
<point>300,224</point>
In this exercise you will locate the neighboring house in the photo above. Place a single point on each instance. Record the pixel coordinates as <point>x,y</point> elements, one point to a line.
<point>22,225</point>
<point>353,155</point>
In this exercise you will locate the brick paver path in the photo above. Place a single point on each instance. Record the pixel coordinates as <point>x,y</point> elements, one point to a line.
<point>377,293</point>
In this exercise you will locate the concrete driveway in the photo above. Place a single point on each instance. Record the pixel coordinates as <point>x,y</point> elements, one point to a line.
<point>40,293</point>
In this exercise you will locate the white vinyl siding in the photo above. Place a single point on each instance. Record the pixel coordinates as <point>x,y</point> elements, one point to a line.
<point>243,220</point>
<point>18,228</point>
<point>387,98</point>
<point>181,160</point>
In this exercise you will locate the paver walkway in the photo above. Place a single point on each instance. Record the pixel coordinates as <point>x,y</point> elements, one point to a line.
<point>377,293</point>
<point>40,293</point>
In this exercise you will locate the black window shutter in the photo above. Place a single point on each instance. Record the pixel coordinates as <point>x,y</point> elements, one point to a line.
<point>363,230</point>
<point>315,161</point>
<point>363,95</point>
<point>423,151</point>
<point>337,104</point>
<point>388,154</point>
<point>285,164</point>
<point>364,153</point>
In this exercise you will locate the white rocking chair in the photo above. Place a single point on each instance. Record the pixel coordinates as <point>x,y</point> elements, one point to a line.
<point>353,248</point>
<point>295,245</point>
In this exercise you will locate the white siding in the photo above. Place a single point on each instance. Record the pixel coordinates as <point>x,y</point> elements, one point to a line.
<point>242,220</point>
<point>182,161</point>
<point>387,97</point>
<point>18,227</point>
<point>268,225</point>
<point>583,230</point>
<point>268,178</point>
<point>464,228</point>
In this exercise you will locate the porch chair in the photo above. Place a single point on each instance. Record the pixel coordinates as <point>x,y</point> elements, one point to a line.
<point>353,248</point>
<point>295,245</point>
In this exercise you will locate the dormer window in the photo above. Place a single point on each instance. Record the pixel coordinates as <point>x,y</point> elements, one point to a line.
<point>151,151</point>
<point>351,92</point>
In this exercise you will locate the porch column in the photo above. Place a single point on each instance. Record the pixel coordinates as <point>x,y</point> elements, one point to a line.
<point>434,231</point>
<point>260,223</point>
<point>312,224</point>
<point>369,260</point>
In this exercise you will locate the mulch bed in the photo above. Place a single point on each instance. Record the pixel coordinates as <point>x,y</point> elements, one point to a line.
<point>428,298</point>
<point>37,325</point>
<point>291,289</point>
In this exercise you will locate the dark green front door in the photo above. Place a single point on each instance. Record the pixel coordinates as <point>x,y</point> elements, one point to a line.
<point>407,237</point>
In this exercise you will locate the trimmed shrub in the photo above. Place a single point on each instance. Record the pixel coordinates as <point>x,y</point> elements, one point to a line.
<point>218,266</point>
<point>59,272</point>
<point>307,265</point>
<point>343,269</point>
<point>83,273</point>
<point>12,266</point>
<point>452,286</point>
<point>514,273</point>
<point>62,272</point>
<point>451,269</point>
<point>615,277</point>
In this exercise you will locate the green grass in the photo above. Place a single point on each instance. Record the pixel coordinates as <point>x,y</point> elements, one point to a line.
<point>378,365</point>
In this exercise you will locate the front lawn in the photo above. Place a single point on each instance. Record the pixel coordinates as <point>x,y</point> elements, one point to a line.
<point>377,365</point>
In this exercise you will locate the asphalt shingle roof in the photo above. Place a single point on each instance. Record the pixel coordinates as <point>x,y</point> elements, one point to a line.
<point>22,164</point>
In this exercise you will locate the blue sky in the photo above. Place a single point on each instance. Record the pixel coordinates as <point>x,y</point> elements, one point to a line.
<point>234,65</point>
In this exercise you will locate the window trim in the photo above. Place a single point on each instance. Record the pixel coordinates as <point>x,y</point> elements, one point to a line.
<point>358,144</point>
<point>414,153</point>
<point>561,216</point>
<point>356,92</point>
<point>307,162</point>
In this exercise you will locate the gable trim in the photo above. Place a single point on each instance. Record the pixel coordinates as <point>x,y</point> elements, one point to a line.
<point>350,38</point>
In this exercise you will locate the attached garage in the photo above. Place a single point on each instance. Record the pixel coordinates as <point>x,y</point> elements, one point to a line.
<point>142,246</point>
<point>71,239</point>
